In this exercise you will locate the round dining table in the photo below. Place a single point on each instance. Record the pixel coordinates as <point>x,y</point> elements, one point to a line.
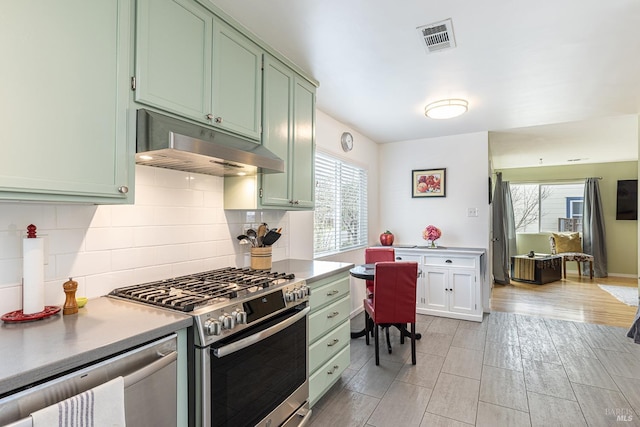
<point>364,271</point>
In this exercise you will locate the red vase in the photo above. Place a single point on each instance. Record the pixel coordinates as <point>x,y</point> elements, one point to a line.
<point>386,239</point>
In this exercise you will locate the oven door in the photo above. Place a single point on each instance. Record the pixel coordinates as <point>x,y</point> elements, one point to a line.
<point>259,376</point>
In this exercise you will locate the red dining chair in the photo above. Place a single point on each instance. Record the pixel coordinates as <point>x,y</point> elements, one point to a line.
<point>377,254</point>
<point>393,302</point>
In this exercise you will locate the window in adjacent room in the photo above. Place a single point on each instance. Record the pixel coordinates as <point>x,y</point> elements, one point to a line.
<point>340,216</point>
<point>547,207</point>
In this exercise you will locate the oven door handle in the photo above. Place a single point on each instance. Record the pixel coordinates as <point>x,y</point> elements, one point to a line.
<point>250,340</point>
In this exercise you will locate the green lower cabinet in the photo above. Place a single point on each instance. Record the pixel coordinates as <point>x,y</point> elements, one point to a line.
<point>327,375</point>
<point>64,93</point>
<point>329,333</point>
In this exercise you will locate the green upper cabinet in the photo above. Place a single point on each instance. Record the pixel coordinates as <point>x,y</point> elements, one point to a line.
<point>173,57</point>
<point>303,150</point>
<point>237,82</point>
<point>278,130</point>
<point>289,132</point>
<point>190,63</point>
<point>64,88</point>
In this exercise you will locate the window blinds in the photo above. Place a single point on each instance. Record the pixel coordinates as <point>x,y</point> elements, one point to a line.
<point>341,205</point>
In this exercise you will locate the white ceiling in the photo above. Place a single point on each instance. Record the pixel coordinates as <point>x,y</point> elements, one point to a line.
<point>519,64</point>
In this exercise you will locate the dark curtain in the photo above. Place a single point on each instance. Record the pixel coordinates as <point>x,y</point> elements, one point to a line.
<point>593,232</point>
<point>504,232</point>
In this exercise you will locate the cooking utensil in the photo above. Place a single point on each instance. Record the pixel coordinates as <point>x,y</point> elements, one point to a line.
<point>270,238</point>
<point>252,236</point>
<point>242,236</point>
<point>262,230</point>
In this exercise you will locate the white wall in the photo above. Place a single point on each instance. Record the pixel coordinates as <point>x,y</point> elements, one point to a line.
<point>177,226</point>
<point>466,159</point>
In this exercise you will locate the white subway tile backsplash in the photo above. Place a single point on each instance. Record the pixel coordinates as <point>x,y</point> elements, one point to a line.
<point>132,215</point>
<point>100,239</point>
<point>208,183</point>
<point>202,250</point>
<point>66,241</point>
<point>203,215</point>
<point>172,254</point>
<point>83,263</point>
<point>76,216</point>
<point>170,215</point>
<point>19,215</point>
<point>103,216</point>
<point>102,284</point>
<point>10,244</point>
<point>145,175</point>
<point>150,274</point>
<point>10,299</point>
<point>131,258</point>
<point>177,226</point>
<point>149,196</point>
<point>169,178</point>
<point>10,272</point>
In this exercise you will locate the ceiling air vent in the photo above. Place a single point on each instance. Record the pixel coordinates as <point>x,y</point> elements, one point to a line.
<point>438,36</point>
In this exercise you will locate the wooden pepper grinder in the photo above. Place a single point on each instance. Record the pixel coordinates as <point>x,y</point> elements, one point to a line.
<point>70,304</point>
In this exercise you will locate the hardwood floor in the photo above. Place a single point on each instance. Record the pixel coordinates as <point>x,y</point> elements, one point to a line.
<point>573,298</point>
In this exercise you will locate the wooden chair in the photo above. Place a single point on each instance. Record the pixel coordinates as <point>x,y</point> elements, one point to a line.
<point>570,249</point>
<point>393,303</point>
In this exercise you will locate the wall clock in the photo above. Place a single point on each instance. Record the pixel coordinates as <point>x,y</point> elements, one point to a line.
<point>346,141</point>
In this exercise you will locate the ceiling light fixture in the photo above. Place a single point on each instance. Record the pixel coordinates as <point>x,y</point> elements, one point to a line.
<point>446,108</point>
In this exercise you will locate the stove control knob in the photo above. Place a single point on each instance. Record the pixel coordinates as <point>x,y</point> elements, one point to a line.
<point>229,322</point>
<point>241,316</point>
<point>305,290</point>
<point>300,293</point>
<point>290,296</point>
<point>213,327</point>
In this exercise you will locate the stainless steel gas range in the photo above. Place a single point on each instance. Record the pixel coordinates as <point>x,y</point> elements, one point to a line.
<point>248,355</point>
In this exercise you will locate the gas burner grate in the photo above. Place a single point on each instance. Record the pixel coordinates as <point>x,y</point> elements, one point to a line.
<point>185,293</point>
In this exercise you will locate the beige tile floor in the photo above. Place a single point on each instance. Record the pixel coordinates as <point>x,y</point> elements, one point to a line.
<point>509,370</point>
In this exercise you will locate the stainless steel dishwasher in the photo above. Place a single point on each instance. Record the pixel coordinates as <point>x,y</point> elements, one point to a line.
<point>150,386</point>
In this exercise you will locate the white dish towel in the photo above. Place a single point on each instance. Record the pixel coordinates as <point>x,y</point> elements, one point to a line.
<point>102,406</point>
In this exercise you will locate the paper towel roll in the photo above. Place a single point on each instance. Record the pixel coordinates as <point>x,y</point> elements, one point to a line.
<point>33,274</point>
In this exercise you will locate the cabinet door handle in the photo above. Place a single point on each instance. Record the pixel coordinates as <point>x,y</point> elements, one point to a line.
<point>335,368</point>
<point>332,315</point>
<point>398,258</point>
<point>209,116</point>
<point>332,293</point>
<point>449,261</point>
<point>123,189</point>
<point>332,343</point>
<point>218,120</point>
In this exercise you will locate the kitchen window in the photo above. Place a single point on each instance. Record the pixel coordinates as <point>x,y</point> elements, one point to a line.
<point>340,216</point>
<point>547,207</point>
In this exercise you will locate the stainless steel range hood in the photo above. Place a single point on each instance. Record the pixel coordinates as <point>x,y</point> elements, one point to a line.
<point>166,142</point>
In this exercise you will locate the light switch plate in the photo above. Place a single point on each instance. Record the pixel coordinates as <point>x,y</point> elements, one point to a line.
<point>472,211</point>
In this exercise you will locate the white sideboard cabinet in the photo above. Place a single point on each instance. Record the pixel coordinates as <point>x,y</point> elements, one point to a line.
<point>450,281</point>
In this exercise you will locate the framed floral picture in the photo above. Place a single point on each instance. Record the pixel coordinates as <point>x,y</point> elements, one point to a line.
<point>428,183</point>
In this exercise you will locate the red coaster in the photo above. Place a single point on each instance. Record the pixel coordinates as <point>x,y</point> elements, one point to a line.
<point>17,316</point>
